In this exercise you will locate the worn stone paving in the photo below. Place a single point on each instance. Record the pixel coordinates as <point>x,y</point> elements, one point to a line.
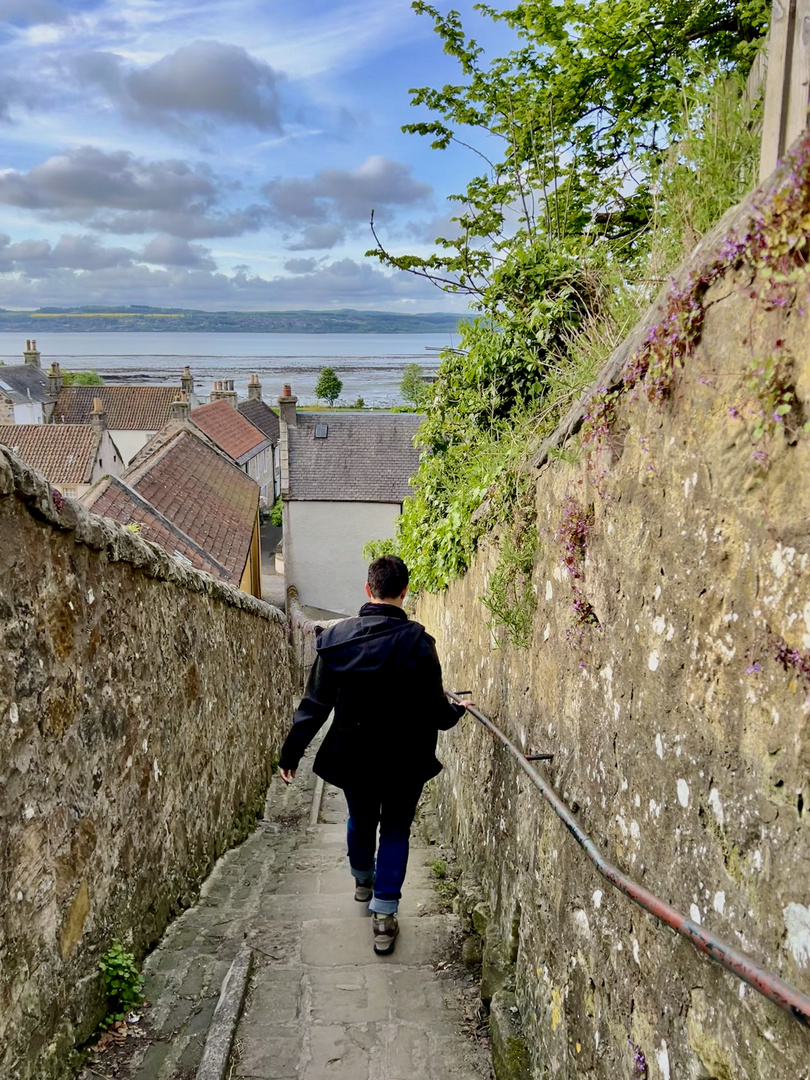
<point>321,1004</point>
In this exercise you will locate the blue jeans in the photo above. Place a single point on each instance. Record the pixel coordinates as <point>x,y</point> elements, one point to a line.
<point>393,810</point>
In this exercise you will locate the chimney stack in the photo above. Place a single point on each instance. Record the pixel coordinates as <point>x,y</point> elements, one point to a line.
<point>30,354</point>
<point>54,380</point>
<point>223,390</point>
<point>286,406</point>
<point>98,417</point>
<point>180,408</point>
<point>254,388</point>
<point>187,382</point>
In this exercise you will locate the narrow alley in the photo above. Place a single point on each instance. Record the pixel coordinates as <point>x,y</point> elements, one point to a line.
<point>319,1003</point>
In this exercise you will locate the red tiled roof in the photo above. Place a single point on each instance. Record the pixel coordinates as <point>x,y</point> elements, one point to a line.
<point>63,453</point>
<point>114,499</point>
<point>201,492</point>
<point>129,408</point>
<point>229,430</point>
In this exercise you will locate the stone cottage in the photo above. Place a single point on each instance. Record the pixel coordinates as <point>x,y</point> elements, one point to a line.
<point>188,497</point>
<point>26,393</point>
<point>71,457</point>
<point>248,447</point>
<point>135,413</point>
<point>258,412</point>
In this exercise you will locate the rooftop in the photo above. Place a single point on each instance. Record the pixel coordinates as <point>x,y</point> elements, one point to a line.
<point>200,491</point>
<point>229,430</point>
<point>128,408</point>
<point>352,457</point>
<point>262,417</point>
<point>63,453</point>
<point>26,382</point>
<point>113,498</point>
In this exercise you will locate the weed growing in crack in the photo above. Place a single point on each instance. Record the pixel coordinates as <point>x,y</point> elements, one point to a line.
<point>122,981</point>
<point>639,1061</point>
<point>572,532</point>
<point>774,647</point>
<point>773,403</point>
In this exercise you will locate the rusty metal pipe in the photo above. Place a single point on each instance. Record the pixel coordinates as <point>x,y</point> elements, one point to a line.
<point>763,981</point>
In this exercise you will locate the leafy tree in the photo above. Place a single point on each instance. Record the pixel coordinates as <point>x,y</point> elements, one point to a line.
<point>413,387</point>
<point>328,386</point>
<point>569,127</point>
<point>591,137</point>
<point>82,378</point>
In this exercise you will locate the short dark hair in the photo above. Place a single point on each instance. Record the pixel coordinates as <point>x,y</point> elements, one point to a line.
<point>387,577</point>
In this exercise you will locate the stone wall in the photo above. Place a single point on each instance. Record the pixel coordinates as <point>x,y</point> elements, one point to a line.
<point>304,633</point>
<point>141,709</point>
<point>669,672</point>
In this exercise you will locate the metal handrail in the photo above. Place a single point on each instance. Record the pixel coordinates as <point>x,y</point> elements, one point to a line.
<point>763,981</point>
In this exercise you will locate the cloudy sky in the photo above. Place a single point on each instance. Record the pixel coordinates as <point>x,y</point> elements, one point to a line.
<point>222,154</point>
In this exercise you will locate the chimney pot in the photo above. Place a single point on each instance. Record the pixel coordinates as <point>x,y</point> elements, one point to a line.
<point>98,417</point>
<point>54,380</point>
<point>286,406</point>
<point>180,408</point>
<point>31,356</point>
<point>254,388</point>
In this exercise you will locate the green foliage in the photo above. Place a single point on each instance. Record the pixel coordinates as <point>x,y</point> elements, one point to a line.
<point>570,126</point>
<point>413,387</point>
<point>328,386</point>
<point>511,599</point>
<point>711,164</point>
<point>276,514</point>
<point>610,140</point>
<point>359,403</point>
<point>443,881</point>
<point>375,549</point>
<point>122,981</point>
<point>81,378</point>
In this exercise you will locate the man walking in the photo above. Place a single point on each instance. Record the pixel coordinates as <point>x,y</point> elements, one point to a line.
<point>381,675</point>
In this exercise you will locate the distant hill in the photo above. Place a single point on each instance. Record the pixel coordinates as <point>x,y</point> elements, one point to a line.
<point>143,318</point>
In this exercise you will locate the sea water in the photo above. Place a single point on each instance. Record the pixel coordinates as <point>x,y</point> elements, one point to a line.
<point>369,365</point>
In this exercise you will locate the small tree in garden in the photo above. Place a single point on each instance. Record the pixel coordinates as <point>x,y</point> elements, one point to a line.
<point>413,387</point>
<point>328,386</point>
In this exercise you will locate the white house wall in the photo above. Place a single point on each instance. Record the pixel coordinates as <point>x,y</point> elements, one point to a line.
<point>29,413</point>
<point>323,550</point>
<point>130,442</point>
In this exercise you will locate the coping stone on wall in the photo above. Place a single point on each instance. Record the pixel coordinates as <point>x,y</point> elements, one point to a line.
<point>102,534</point>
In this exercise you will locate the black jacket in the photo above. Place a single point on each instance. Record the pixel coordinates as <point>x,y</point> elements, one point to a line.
<point>381,675</point>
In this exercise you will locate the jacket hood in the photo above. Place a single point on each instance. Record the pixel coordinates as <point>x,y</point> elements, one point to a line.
<point>367,643</point>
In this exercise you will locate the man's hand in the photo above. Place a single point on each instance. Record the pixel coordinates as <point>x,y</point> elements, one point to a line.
<point>287,775</point>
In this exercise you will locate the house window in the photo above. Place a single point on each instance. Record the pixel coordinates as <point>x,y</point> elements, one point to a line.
<point>321,431</point>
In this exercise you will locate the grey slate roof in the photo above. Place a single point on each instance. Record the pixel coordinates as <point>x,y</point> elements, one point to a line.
<point>261,416</point>
<point>365,457</point>
<point>22,383</point>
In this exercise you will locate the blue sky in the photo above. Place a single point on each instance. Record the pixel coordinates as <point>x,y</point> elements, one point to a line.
<point>221,154</point>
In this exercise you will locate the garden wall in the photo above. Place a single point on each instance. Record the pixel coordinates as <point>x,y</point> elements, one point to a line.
<point>142,705</point>
<point>668,670</point>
